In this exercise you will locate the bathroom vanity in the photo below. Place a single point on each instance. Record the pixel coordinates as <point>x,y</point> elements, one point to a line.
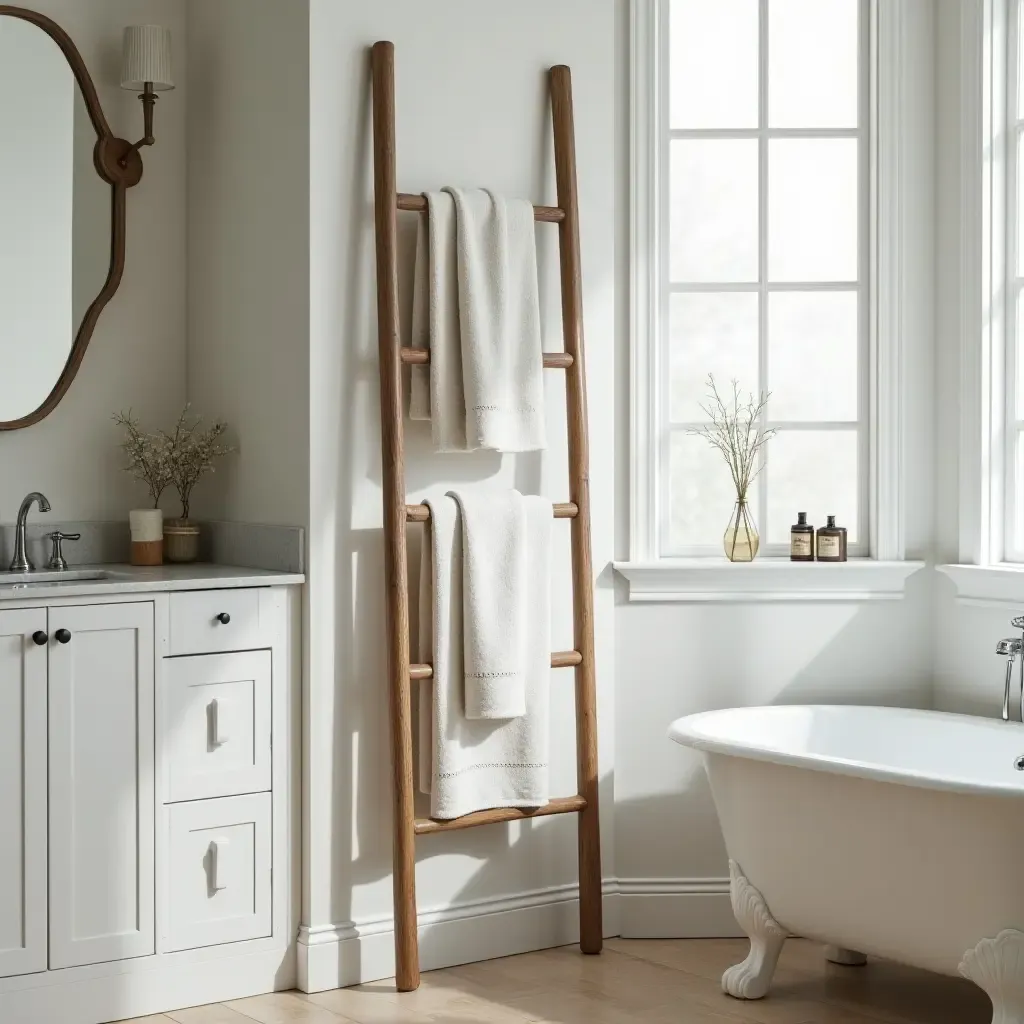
<point>148,748</point>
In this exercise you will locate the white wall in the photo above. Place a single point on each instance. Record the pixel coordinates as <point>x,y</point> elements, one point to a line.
<point>136,358</point>
<point>675,659</point>
<point>248,252</point>
<point>472,108</point>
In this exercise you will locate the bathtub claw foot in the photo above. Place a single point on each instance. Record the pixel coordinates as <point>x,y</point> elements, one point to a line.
<point>997,967</point>
<point>752,978</point>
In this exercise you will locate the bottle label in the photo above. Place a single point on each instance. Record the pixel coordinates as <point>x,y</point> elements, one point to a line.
<point>828,547</point>
<point>800,545</point>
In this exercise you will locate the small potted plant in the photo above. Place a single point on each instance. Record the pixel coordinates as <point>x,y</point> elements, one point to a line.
<point>148,461</point>
<point>192,452</point>
<point>738,432</point>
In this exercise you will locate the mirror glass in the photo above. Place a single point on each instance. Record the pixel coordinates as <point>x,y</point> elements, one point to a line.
<point>55,216</point>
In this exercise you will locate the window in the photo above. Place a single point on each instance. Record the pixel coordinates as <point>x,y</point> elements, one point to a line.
<point>765,184</point>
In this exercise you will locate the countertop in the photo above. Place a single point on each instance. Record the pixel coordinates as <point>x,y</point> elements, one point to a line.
<point>133,579</point>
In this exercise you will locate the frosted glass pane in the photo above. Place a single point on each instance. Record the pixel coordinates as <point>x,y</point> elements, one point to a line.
<point>813,63</point>
<point>812,210</point>
<point>701,494</point>
<point>714,203</point>
<point>710,333</point>
<point>812,471</point>
<point>713,63</point>
<point>812,355</point>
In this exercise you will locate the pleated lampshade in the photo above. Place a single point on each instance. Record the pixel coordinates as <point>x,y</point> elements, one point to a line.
<point>146,57</point>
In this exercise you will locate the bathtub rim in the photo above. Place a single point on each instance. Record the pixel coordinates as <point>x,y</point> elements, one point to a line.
<point>682,731</point>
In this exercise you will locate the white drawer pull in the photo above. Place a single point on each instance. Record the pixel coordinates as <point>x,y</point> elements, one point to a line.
<point>217,847</point>
<point>215,711</point>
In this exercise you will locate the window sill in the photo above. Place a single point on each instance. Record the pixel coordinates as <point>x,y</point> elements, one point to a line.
<point>710,580</point>
<point>1000,585</point>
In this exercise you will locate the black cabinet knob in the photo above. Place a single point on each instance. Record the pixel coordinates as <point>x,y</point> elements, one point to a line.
<point>39,638</point>
<point>63,636</point>
<point>223,618</point>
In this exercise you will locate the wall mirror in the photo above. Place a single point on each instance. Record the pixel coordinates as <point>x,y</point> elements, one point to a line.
<point>63,179</point>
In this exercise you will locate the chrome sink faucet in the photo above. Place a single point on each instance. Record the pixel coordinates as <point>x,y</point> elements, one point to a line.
<point>20,562</point>
<point>1011,648</point>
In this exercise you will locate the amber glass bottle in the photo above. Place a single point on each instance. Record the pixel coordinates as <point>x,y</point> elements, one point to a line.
<point>801,540</point>
<point>832,542</point>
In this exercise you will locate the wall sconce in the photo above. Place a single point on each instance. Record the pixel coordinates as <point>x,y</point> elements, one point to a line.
<point>146,65</point>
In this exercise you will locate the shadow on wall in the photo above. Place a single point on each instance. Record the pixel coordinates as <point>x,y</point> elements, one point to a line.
<point>684,659</point>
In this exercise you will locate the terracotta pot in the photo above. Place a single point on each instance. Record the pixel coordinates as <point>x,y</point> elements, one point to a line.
<point>147,528</point>
<point>181,540</point>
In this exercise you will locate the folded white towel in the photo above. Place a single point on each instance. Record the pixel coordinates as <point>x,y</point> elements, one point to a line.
<point>476,306</point>
<point>494,595</point>
<point>436,391</point>
<point>499,314</point>
<point>469,765</point>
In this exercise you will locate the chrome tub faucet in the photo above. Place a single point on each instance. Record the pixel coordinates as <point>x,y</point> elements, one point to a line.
<point>20,562</point>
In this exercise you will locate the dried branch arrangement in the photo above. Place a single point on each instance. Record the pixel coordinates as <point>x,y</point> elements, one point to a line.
<point>738,432</point>
<point>192,454</point>
<point>179,458</point>
<point>149,457</point>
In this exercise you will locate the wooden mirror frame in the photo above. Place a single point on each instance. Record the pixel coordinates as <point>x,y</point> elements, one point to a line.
<point>108,155</point>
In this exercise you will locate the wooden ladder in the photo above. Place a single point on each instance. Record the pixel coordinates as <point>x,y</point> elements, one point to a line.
<point>387,202</point>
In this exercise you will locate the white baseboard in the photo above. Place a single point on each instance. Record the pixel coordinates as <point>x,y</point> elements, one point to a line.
<point>335,956</point>
<point>121,994</point>
<point>676,908</point>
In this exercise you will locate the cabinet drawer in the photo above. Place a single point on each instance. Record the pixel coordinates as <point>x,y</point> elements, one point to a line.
<point>219,871</point>
<point>216,717</point>
<point>207,621</point>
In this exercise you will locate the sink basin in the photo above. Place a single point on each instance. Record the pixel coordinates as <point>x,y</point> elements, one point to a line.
<point>26,579</point>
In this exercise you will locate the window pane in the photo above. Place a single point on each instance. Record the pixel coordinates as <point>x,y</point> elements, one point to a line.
<point>710,333</point>
<point>812,210</point>
<point>812,471</point>
<point>812,355</point>
<point>714,203</point>
<point>812,63</point>
<point>701,494</point>
<point>713,63</point>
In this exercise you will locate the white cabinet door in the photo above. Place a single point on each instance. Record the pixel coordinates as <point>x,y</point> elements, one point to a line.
<point>101,783</point>
<point>22,792</point>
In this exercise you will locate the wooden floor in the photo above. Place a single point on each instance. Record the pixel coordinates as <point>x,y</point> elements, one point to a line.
<point>636,980</point>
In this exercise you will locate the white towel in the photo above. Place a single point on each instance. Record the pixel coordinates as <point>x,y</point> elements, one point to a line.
<point>470,765</point>
<point>476,305</point>
<point>436,392</point>
<point>494,594</point>
<point>499,315</point>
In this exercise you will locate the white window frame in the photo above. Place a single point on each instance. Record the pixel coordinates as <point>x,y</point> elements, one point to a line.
<point>653,577</point>
<point>984,575</point>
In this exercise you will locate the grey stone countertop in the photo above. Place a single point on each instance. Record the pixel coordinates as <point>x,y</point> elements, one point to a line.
<point>132,579</point>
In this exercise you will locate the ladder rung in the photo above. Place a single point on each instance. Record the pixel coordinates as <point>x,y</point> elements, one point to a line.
<point>421,513</point>
<point>418,203</point>
<point>552,360</point>
<point>560,659</point>
<point>560,805</point>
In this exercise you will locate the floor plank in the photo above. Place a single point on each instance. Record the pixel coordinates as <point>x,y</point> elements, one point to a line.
<point>656,981</point>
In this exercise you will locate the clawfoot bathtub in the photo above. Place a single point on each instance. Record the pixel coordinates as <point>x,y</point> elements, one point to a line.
<point>882,831</point>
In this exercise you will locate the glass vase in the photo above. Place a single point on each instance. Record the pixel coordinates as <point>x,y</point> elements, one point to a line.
<point>741,540</point>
